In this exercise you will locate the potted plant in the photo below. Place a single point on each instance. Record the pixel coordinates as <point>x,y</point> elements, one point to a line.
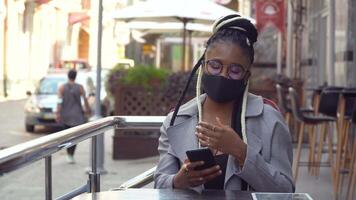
<point>137,91</point>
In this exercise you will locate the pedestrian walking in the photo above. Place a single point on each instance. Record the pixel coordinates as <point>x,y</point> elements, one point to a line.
<point>70,111</point>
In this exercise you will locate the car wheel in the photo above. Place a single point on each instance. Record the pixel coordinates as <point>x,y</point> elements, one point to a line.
<point>30,128</point>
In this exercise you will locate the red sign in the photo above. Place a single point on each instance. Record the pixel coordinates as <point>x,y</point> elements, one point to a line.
<point>270,12</point>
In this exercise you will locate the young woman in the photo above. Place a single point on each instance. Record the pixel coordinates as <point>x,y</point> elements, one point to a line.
<point>249,139</point>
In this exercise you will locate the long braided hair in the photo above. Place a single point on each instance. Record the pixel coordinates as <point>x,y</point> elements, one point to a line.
<point>231,28</point>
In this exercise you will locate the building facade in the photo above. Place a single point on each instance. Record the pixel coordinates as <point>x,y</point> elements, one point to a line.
<point>38,34</point>
<point>318,68</point>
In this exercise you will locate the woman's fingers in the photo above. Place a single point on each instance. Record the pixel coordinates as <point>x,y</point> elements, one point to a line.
<point>212,127</point>
<point>210,144</point>
<point>208,171</point>
<point>208,126</point>
<point>191,165</point>
<point>206,131</point>
<point>202,136</point>
<point>202,176</point>
<point>205,172</point>
<point>207,141</point>
<point>212,176</point>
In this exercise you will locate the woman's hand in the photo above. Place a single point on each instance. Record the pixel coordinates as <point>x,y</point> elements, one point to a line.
<point>188,177</point>
<point>223,138</point>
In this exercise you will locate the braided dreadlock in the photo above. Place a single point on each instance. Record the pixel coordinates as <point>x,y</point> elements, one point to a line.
<point>231,28</point>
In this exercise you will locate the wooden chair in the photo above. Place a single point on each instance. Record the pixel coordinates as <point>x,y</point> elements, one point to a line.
<point>282,93</point>
<point>328,106</point>
<point>352,175</point>
<point>306,121</point>
<point>344,150</point>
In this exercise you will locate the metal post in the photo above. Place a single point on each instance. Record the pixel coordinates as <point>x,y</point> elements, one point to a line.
<point>289,61</point>
<point>158,53</point>
<point>94,176</point>
<point>48,177</point>
<point>100,139</point>
<point>331,43</point>
<point>183,45</point>
<point>5,51</point>
<point>279,52</point>
<point>190,50</point>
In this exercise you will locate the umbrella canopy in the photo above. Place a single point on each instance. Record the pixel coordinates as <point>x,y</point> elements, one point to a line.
<point>184,11</point>
<point>199,11</point>
<point>167,27</point>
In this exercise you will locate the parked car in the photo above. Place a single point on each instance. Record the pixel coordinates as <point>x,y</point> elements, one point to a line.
<point>41,105</point>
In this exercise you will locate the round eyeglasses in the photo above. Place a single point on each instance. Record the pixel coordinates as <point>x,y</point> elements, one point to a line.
<point>214,67</point>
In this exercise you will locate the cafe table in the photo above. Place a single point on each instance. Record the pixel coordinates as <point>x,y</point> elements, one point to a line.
<point>174,194</point>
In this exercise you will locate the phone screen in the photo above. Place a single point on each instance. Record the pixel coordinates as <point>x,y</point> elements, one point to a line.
<point>203,154</point>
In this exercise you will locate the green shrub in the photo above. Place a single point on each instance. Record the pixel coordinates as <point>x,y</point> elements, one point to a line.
<point>140,75</point>
<point>145,76</point>
<point>114,78</point>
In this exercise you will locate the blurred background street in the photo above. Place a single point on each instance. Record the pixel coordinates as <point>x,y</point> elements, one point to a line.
<point>133,58</point>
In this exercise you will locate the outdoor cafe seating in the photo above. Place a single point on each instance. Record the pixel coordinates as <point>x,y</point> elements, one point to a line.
<point>331,125</point>
<point>29,152</point>
<point>332,120</point>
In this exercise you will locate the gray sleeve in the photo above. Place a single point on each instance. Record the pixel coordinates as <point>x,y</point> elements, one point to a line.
<point>276,174</point>
<point>168,165</point>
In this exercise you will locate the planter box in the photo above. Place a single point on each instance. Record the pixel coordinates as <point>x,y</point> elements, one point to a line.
<point>138,101</point>
<point>133,145</point>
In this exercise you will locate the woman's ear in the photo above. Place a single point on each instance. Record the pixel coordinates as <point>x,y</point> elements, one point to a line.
<point>247,76</point>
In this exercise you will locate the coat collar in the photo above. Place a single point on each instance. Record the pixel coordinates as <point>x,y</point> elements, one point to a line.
<point>254,106</point>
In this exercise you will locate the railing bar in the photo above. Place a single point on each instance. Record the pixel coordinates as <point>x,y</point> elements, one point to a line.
<point>138,128</point>
<point>26,153</point>
<point>74,135</point>
<point>94,176</point>
<point>79,133</point>
<point>48,177</point>
<point>94,154</point>
<point>138,181</point>
<point>75,192</point>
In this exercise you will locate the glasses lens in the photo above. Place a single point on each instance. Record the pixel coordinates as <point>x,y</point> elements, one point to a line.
<point>213,67</point>
<point>236,71</point>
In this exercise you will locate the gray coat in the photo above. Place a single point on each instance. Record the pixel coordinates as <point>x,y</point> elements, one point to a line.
<point>267,167</point>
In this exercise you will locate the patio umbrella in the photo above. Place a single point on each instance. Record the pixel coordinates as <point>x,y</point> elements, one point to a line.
<point>167,27</point>
<point>184,11</point>
<point>139,29</point>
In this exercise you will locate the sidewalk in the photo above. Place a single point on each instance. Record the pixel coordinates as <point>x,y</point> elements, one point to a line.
<point>29,182</point>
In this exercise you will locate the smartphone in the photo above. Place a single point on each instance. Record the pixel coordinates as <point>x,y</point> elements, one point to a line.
<point>203,154</point>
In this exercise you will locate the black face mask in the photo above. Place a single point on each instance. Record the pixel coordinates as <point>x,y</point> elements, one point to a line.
<point>221,89</point>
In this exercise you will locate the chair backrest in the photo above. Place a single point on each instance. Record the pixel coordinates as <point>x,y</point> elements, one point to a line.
<point>282,100</point>
<point>297,113</point>
<point>350,100</point>
<point>329,100</point>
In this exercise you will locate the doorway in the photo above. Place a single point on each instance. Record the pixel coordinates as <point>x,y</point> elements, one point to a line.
<point>83,45</point>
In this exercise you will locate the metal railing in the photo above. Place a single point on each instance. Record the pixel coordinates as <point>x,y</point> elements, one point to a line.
<point>138,181</point>
<point>26,153</point>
